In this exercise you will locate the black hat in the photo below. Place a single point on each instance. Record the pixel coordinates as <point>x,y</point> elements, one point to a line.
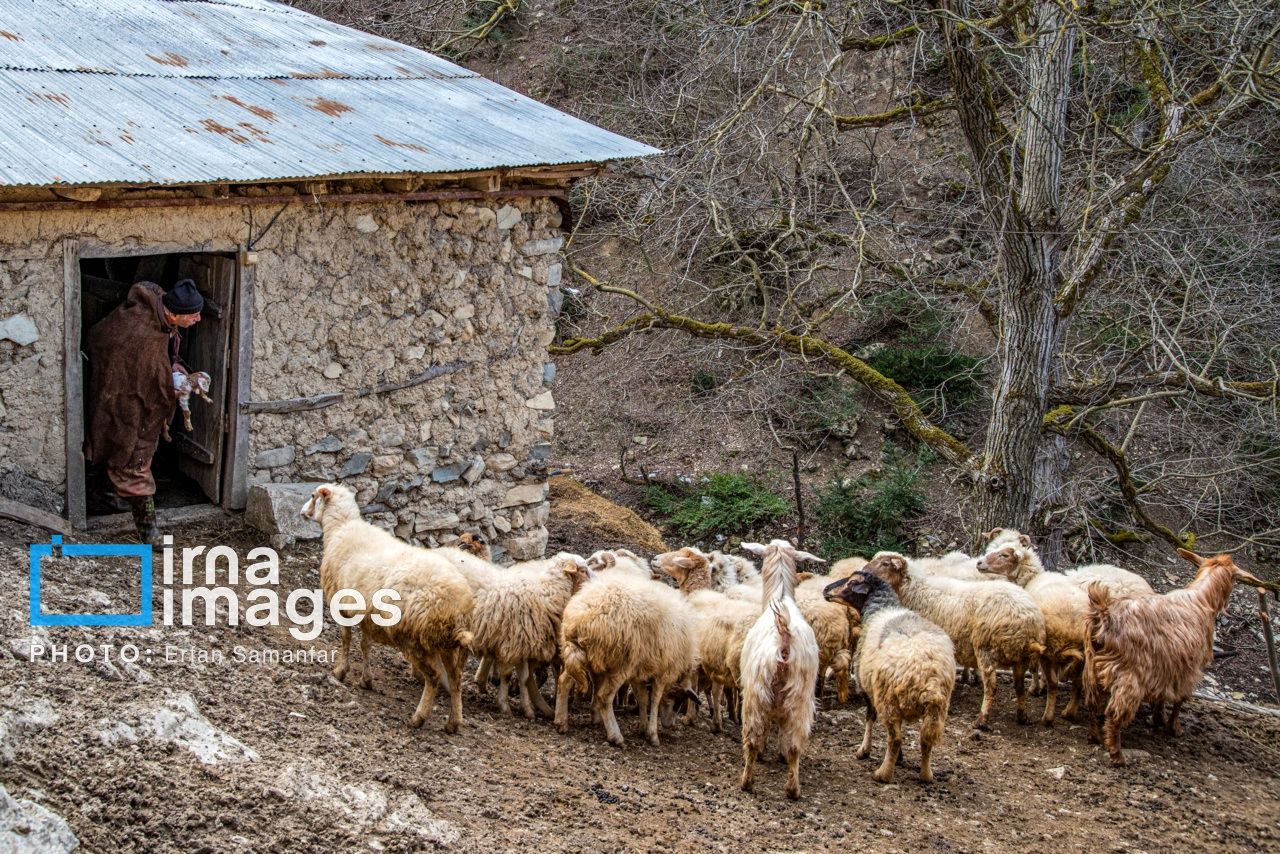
<point>183,298</point>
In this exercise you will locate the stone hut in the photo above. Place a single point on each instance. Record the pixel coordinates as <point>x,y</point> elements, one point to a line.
<point>376,233</point>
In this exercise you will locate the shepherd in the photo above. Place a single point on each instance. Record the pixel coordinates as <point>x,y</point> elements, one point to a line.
<point>133,354</point>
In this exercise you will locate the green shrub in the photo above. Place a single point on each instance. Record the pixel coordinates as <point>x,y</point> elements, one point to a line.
<point>703,383</point>
<point>938,377</point>
<point>733,505</point>
<point>906,313</point>
<point>867,515</point>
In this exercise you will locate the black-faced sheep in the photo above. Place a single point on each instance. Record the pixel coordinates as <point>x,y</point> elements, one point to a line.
<point>906,666</point>
<point>991,623</point>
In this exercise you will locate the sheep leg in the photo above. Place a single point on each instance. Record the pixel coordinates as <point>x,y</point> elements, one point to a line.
<point>535,693</point>
<point>344,655</point>
<point>366,677</point>
<point>428,698</point>
<point>640,690</point>
<point>1050,669</point>
<point>841,668</point>
<point>606,689</point>
<point>865,748</point>
<point>987,670</point>
<point>504,689</point>
<point>455,664</point>
<point>1020,691</point>
<point>1077,693</point>
<point>1157,714</point>
<point>655,700</point>
<point>884,773</point>
<point>522,682</point>
<point>1173,726</point>
<point>482,672</point>
<point>564,690</point>
<point>717,699</point>
<point>931,730</point>
<point>1040,682</point>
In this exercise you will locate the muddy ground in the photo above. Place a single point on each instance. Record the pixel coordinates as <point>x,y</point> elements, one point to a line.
<point>182,752</point>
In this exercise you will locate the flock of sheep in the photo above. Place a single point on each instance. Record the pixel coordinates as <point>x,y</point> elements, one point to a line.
<point>768,639</point>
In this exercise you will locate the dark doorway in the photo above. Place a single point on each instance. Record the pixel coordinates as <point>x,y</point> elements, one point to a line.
<point>189,469</point>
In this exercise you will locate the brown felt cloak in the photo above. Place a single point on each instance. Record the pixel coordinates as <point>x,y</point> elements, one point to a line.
<point>130,380</point>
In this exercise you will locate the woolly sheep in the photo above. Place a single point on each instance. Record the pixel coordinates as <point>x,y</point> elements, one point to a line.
<point>1121,582</point>
<point>723,623</point>
<point>991,623</point>
<point>621,559</point>
<point>516,623</point>
<point>729,570</point>
<point>906,665</point>
<point>779,667</point>
<point>835,631</point>
<point>620,628</point>
<point>1065,607</point>
<point>435,600</point>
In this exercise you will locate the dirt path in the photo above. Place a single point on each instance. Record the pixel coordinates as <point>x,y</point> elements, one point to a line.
<point>294,761</point>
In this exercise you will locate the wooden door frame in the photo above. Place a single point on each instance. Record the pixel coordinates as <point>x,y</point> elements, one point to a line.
<point>235,446</point>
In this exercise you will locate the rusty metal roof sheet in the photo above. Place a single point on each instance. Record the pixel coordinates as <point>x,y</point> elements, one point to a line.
<point>192,91</point>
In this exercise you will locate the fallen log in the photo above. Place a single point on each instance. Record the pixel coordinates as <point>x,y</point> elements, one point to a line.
<point>20,512</point>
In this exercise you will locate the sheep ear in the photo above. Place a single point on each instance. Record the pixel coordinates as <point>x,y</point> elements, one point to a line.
<point>803,576</point>
<point>1193,557</point>
<point>685,562</point>
<point>323,492</point>
<point>861,587</point>
<point>992,534</point>
<point>754,548</point>
<point>1025,540</point>
<point>812,558</point>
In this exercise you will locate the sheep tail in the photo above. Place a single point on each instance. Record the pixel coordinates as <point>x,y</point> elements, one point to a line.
<point>464,638</point>
<point>781,622</point>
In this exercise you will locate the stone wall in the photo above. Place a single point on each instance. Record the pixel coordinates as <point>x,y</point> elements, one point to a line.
<point>345,297</point>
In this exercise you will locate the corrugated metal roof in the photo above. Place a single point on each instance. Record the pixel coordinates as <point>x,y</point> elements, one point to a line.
<point>190,91</point>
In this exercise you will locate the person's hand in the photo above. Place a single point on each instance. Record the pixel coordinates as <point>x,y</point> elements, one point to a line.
<point>180,369</point>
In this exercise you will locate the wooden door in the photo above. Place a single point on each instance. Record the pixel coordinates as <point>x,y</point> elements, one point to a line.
<point>206,347</point>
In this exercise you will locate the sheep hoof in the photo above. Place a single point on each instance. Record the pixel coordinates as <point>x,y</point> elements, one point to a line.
<point>1021,717</point>
<point>417,721</point>
<point>748,785</point>
<point>653,739</point>
<point>793,793</point>
<point>926,778</point>
<point>861,754</point>
<point>883,777</point>
<point>1117,759</point>
<point>451,727</point>
<point>339,673</point>
<point>1047,722</point>
<point>367,683</point>
<point>981,723</point>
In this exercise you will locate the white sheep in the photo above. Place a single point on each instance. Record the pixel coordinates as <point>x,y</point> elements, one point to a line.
<point>1119,582</point>
<point>728,570</point>
<point>1065,607</point>
<point>619,559</point>
<point>991,623</point>
<point>621,628</point>
<point>836,634</point>
<point>516,623</point>
<point>433,631</point>
<point>723,624</point>
<point>779,667</point>
<point>906,665</point>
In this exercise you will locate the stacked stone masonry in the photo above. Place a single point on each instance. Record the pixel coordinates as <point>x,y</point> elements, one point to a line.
<point>345,297</point>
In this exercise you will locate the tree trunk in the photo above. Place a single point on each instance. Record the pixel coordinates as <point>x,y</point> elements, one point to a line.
<point>1014,477</point>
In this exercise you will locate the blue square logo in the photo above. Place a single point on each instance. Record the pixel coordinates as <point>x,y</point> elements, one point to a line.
<point>37,551</point>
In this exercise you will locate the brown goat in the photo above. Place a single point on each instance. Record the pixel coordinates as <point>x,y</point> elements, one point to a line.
<point>474,544</point>
<point>1152,649</point>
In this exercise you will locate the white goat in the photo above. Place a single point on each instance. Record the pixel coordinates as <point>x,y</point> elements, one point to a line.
<point>779,667</point>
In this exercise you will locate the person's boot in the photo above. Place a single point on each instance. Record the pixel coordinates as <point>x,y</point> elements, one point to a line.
<point>144,519</point>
